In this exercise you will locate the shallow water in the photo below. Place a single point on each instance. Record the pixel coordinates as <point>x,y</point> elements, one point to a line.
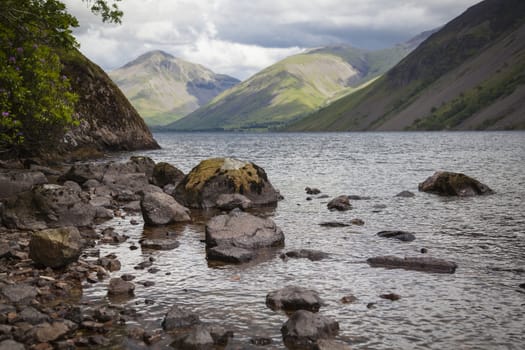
<point>478,307</point>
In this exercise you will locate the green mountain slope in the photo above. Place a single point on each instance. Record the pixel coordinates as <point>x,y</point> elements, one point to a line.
<point>164,88</point>
<point>468,75</point>
<point>293,88</point>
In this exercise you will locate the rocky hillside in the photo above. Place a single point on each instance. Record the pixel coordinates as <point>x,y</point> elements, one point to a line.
<point>108,121</point>
<point>164,88</point>
<point>470,75</point>
<point>294,87</point>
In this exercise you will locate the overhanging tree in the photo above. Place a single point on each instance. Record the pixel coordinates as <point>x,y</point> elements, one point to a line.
<point>36,101</point>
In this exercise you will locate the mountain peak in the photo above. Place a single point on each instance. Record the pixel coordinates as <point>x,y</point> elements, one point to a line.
<point>155,55</point>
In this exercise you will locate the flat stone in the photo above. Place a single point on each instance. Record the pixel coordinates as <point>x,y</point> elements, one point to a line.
<point>333,224</point>
<point>230,254</point>
<point>159,244</point>
<point>310,254</point>
<point>426,264</point>
<point>399,235</point>
<point>19,293</point>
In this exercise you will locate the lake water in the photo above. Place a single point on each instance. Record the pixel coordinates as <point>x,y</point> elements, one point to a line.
<point>479,307</point>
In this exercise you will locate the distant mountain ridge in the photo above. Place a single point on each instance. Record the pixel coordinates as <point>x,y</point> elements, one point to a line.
<point>164,88</point>
<point>470,75</point>
<point>293,88</point>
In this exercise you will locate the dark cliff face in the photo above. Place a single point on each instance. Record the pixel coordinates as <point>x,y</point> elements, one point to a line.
<point>108,121</point>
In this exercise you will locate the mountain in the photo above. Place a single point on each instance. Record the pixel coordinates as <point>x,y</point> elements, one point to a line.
<point>164,88</point>
<point>294,87</point>
<point>470,75</point>
<point>108,121</point>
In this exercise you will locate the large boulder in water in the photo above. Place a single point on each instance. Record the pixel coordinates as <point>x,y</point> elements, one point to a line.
<point>55,247</point>
<point>293,298</point>
<point>159,208</point>
<point>445,183</point>
<point>304,329</point>
<point>212,177</point>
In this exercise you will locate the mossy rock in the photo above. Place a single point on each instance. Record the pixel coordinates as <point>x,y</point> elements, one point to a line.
<point>213,177</point>
<point>446,183</point>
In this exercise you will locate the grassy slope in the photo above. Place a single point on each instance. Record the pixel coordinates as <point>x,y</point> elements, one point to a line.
<point>292,88</point>
<point>157,84</point>
<point>448,74</point>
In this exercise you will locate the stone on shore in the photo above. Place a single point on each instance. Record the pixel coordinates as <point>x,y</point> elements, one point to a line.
<point>340,203</point>
<point>9,344</point>
<point>55,248</point>
<point>117,286</point>
<point>231,201</point>
<point>166,174</point>
<point>304,329</point>
<point>426,264</point>
<point>399,235</point>
<point>446,183</point>
<point>293,298</point>
<point>177,318</point>
<point>19,293</point>
<point>212,177</point>
<point>159,208</point>
<point>16,181</point>
<point>243,230</point>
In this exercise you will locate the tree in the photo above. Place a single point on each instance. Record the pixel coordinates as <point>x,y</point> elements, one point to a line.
<point>36,101</point>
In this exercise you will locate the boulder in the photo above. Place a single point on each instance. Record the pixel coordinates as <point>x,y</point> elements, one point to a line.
<point>446,183</point>
<point>165,174</point>
<point>340,203</point>
<point>14,182</point>
<point>292,298</point>
<point>117,286</point>
<point>177,318</point>
<point>55,247</point>
<point>426,264</point>
<point>212,177</point>
<point>310,254</point>
<point>233,200</point>
<point>230,254</point>
<point>243,230</point>
<point>159,208</point>
<point>198,338</point>
<point>304,329</point>
<point>399,235</point>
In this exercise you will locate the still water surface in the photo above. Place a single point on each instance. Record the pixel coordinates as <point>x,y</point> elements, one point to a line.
<point>478,307</point>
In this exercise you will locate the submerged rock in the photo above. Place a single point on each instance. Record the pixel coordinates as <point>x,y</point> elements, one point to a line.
<point>212,177</point>
<point>198,338</point>
<point>231,254</point>
<point>333,224</point>
<point>117,286</point>
<point>340,203</point>
<point>304,329</point>
<point>405,194</point>
<point>159,208</point>
<point>55,247</point>
<point>310,254</point>
<point>426,264</point>
<point>399,235</point>
<point>159,244</point>
<point>446,183</point>
<point>292,298</point>
<point>312,190</point>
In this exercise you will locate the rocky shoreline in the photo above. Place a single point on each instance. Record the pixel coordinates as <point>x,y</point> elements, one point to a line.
<point>45,261</point>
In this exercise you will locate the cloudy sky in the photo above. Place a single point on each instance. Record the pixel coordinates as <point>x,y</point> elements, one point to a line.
<point>240,37</point>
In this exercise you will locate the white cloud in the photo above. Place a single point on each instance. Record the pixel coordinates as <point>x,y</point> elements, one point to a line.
<point>242,37</point>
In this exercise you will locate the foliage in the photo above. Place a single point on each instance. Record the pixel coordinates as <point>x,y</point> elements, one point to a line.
<point>36,101</point>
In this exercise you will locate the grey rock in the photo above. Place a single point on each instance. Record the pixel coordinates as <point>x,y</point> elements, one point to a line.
<point>230,254</point>
<point>310,254</point>
<point>292,298</point>
<point>117,286</point>
<point>446,183</point>
<point>233,200</point>
<point>17,181</point>
<point>161,209</point>
<point>110,263</point>
<point>243,230</point>
<point>340,203</point>
<point>399,235</point>
<point>312,190</point>
<point>333,224</point>
<point>405,194</point>
<point>47,332</point>
<point>165,173</point>
<point>9,344</point>
<point>426,264</point>
<point>177,318</point>
<point>55,247</point>
<point>198,338</point>
<point>19,293</point>
<point>305,328</point>
<point>159,244</point>
<point>80,173</point>
<point>72,185</point>
<point>32,316</point>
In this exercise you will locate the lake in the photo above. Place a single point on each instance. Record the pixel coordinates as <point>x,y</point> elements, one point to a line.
<point>479,307</point>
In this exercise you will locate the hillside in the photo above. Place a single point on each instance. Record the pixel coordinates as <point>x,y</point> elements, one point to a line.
<point>470,75</point>
<point>164,88</point>
<point>293,88</point>
<point>108,121</point>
